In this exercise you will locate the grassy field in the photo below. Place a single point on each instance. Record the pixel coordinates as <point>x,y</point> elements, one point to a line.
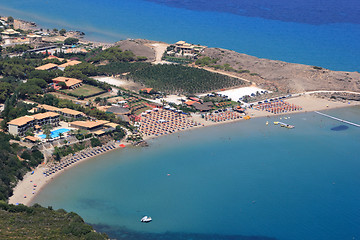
<point>84,90</point>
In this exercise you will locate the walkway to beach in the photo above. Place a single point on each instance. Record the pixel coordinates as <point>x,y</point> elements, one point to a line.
<point>338,119</point>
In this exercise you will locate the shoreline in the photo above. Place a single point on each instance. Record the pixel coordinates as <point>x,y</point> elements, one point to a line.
<point>25,187</point>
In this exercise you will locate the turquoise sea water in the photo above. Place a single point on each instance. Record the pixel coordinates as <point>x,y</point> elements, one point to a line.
<point>232,180</point>
<point>277,29</point>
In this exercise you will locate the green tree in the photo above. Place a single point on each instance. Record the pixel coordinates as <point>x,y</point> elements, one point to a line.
<point>62,84</point>
<point>62,32</point>
<point>10,19</point>
<point>97,99</point>
<point>47,131</point>
<point>6,89</point>
<point>71,41</point>
<point>95,142</point>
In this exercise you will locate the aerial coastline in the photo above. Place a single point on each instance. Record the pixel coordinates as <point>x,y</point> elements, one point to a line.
<point>26,186</point>
<point>25,191</point>
<point>98,97</point>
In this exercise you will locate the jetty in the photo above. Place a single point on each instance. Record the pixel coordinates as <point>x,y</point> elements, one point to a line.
<point>338,119</point>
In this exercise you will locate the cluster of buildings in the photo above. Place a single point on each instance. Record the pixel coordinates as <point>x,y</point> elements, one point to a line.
<point>69,83</point>
<point>12,37</point>
<point>66,112</point>
<point>20,125</point>
<point>199,105</point>
<point>53,66</point>
<point>51,117</point>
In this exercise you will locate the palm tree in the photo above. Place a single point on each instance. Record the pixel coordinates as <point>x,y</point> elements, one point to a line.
<point>61,135</point>
<point>46,131</point>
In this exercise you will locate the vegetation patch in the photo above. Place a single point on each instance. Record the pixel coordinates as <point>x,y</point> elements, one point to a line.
<point>12,168</point>
<point>85,91</point>
<point>182,79</point>
<point>36,222</point>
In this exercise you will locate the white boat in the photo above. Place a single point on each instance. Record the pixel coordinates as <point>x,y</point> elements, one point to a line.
<point>146,219</point>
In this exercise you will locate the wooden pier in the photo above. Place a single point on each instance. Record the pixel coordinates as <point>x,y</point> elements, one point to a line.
<point>338,119</point>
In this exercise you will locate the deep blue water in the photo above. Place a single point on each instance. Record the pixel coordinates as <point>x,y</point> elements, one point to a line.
<point>303,11</point>
<point>321,33</point>
<point>225,182</point>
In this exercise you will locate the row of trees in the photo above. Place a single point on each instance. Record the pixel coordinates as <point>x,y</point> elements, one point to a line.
<point>181,79</point>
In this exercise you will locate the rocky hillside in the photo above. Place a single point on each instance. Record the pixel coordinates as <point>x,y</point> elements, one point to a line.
<point>287,77</point>
<point>138,47</point>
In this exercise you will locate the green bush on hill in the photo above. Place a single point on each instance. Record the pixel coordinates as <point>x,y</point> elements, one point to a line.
<point>36,222</point>
<point>112,54</point>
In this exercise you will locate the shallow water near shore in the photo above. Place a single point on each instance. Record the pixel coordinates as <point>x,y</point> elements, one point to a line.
<point>324,34</point>
<point>225,182</point>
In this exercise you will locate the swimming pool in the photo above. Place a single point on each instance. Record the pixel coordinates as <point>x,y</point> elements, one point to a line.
<point>55,133</point>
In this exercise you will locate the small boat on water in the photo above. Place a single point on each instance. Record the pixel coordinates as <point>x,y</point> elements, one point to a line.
<point>267,123</point>
<point>285,125</point>
<point>146,219</point>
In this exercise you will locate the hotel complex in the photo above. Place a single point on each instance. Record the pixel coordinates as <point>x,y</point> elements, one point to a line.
<point>20,125</point>
<point>66,112</point>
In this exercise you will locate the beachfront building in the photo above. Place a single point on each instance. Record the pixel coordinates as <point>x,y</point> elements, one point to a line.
<point>69,63</point>
<point>20,125</point>
<point>10,33</point>
<point>108,127</point>
<point>48,67</point>
<point>34,38</point>
<point>71,83</point>
<point>89,125</point>
<point>66,112</point>
<point>184,48</point>
<point>203,107</point>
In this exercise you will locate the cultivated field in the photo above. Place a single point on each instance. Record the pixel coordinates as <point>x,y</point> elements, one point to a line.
<point>85,90</point>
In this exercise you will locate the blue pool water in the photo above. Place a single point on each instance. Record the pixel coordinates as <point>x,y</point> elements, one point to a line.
<point>238,179</point>
<point>55,133</point>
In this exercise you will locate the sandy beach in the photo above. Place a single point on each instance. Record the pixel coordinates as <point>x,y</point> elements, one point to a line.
<point>26,186</point>
<point>34,182</point>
